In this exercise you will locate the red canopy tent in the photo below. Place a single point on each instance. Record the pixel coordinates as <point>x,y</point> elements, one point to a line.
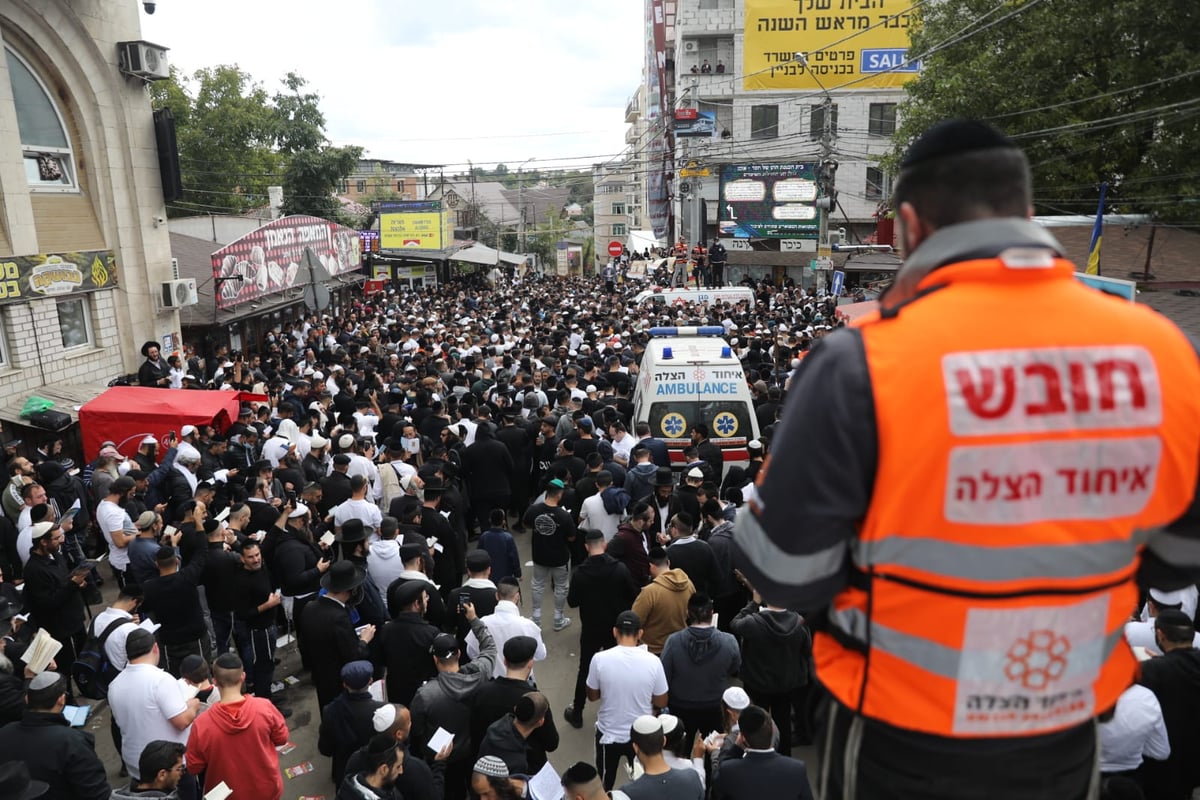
<point>127,414</point>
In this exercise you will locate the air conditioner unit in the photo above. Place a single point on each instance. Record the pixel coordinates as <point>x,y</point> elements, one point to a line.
<point>176,294</point>
<point>691,46</point>
<point>144,60</point>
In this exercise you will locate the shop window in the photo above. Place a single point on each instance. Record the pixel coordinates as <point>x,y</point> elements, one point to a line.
<point>75,322</point>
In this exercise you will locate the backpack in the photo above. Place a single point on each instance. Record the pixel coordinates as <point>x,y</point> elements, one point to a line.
<point>92,671</point>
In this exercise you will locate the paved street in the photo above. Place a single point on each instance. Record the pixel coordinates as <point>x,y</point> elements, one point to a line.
<point>555,677</point>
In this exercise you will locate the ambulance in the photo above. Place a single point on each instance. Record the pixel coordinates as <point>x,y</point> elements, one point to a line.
<point>688,376</point>
<point>726,294</point>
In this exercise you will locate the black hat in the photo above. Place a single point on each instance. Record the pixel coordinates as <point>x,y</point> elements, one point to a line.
<point>146,347</point>
<point>434,486</point>
<point>628,622</point>
<point>341,459</point>
<point>15,783</point>
<point>353,531</point>
<point>478,560</point>
<point>394,445</point>
<point>664,477</point>
<point>954,137</point>
<point>444,646</point>
<point>7,609</point>
<point>407,592</point>
<point>342,577</point>
<point>519,649</point>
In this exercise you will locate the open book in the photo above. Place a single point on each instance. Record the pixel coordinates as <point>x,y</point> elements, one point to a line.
<point>41,652</point>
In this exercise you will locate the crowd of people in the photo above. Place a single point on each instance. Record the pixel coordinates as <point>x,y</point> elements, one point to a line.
<point>371,507</point>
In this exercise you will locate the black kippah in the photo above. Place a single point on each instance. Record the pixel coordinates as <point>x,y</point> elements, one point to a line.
<point>580,772</point>
<point>953,137</point>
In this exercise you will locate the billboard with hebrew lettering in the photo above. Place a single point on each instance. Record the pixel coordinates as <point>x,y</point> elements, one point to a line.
<point>849,44</point>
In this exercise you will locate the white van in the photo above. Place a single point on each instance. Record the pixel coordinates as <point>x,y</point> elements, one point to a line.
<point>690,376</point>
<point>725,294</point>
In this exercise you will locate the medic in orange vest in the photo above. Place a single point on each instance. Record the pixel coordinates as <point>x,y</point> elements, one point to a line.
<point>966,489</point>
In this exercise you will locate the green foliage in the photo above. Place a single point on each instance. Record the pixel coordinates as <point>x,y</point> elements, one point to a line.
<point>1092,91</point>
<point>235,140</point>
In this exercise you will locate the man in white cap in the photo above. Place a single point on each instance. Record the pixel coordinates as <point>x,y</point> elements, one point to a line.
<point>659,779</point>
<point>1140,632</point>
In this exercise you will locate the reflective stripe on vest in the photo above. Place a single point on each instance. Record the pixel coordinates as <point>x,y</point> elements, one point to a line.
<point>934,657</point>
<point>994,564</point>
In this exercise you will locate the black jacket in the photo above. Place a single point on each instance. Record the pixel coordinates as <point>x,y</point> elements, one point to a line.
<point>1174,678</point>
<point>335,490</point>
<point>346,726</point>
<point>174,602</point>
<point>494,701</point>
<point>294,563</point>
<point>419,781</point>
<point>758,775</point>
<point>54,600</point>
<point>329,637</point>
<point>776,649</point>
<point>58,754</point>
<point>487,467</point>
<point>697,560</point>
<point>404,645</point>
<point>12,694</point>
<point>601,588</point>
<point>502,739</point>
<point>446,700</point>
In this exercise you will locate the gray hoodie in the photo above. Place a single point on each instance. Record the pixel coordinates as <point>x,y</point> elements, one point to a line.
<point>698,662</point>
<point>384,564</point>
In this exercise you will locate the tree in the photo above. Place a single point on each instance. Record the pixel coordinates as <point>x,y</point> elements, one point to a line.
<point>314,168</point>
<point>235,140</point>
<point>225,129</point>
<point>1092,92</point>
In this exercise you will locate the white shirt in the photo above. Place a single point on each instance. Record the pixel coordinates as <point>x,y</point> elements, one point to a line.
<point>1135,731</point>
<point>365,510</point>
<point>111,517</point>
<point>114,645</point>
<point>623,447</point>
<point>593,515</point>
<point>24,543</point>
<point>144,699</point>
<point>628,678</point>
<point>366,424</point>
<point>361,465</point>
<point>469,436</point>
<point>1141,634</point>
<point>505,623</point>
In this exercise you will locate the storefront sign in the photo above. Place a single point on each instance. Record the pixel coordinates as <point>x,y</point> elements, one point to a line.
<point>271,259</point>
<point>25,278</point>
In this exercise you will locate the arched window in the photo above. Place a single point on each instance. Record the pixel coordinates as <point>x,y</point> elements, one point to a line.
<point>45,145</point>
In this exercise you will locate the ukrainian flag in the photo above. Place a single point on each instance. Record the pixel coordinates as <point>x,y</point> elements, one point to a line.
<point>1093,262</point>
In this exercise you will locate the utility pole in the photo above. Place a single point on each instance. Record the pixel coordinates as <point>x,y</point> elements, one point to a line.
<point>521,203</point>
<point>827,170</point>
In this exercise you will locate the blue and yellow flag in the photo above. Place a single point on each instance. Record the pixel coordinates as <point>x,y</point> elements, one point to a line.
<point>1093,262</point>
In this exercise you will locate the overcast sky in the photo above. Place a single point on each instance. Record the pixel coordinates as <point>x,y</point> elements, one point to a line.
<point>433,81</point>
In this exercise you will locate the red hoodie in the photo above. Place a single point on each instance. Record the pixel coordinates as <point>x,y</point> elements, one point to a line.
<point>235,743</point>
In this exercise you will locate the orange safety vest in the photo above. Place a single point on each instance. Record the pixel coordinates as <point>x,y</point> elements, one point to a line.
<point>1021,462</point>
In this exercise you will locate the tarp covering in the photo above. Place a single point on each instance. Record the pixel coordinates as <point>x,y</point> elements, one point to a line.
<point>127,414</point>
<point>641,240</point>
<point>482,254</point>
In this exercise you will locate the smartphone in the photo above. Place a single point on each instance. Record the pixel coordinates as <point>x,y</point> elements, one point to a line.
<point>171,434</point>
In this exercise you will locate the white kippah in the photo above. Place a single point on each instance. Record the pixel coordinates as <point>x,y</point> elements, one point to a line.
<point>384,717</point>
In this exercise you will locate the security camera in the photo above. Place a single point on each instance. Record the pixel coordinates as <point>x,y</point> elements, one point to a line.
<point>149,6</point>
<point>159,221</point>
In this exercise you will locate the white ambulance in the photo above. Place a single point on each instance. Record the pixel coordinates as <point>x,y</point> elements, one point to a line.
<point>725,294</point>
<point>689,376</point>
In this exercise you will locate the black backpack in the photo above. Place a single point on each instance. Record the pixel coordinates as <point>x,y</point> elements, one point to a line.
<point>92,671</point>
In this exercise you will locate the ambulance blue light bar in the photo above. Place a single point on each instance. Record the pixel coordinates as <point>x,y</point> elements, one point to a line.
<point>703,330</point>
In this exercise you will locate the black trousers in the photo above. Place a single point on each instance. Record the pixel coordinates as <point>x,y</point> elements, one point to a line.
<point>781,705</point>
<point>588,647</point>
<point>861,759</point>
<point>608,760</point>
<point>701,721</point>
<point>257,649</point>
